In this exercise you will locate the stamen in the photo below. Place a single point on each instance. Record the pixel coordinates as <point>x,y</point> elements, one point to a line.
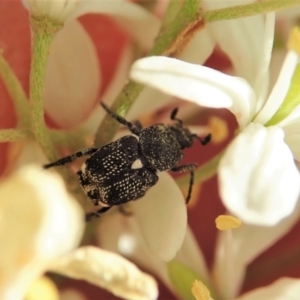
<point>200,291</point>
<point>224,222</point>
<point>294,40</point>
<point>218,129</point>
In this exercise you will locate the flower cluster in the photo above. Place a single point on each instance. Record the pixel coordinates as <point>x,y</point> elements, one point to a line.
<point>211,58</point>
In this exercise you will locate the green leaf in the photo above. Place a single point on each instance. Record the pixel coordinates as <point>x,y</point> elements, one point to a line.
<point>291,101</point>
<point>182,279</point>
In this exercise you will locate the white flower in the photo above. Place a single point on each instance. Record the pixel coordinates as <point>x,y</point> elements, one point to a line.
<point>41,224</point>
<point>159,219</point>
<point>237,38</point>
<point>136,19</point>
<point>155,215</point>
<point>73,76</point>
<point>235,250</point>
<point>109,271</point>
<point>254,197</point>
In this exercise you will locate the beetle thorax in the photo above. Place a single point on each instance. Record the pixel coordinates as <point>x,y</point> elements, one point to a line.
<point>160,146</point>
<point>183,135</point>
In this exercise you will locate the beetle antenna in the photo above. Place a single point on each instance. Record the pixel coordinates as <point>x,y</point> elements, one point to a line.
<point>173,116</point>
<point>204,141</point>
<point>134,129</point>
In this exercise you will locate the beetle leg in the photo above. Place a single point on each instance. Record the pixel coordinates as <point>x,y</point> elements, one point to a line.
<point>184,168</point>
<point>204,141</point>
<point>173,116</point>
<point>138,124</point>
<point>97,214</point>
<point>70,158</point>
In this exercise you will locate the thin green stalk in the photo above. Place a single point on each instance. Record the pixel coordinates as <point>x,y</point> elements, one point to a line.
<point>241,11</point>
<point>165,43</point>
<point>172,10</point>
<point>43,32</point>
<point>16,92</point>
<point>11,135</point>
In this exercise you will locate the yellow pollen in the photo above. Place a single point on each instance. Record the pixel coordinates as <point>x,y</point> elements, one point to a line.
<point>218,128</point>
<point>224,222</point>
<point>200,291</point>
<point>294,40</point>
<point>42,288</point>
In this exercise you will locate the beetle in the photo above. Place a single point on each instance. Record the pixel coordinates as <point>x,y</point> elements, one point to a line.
<point>124,170</point>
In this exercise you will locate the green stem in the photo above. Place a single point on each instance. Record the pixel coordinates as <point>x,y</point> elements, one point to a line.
<point>203,172</point>
<point>172,10</point>
<point>16,92</point>
<point>11,135</point>
<point>43,31</point>
<point>187,15</point>
<point>73,139</point>
<point>241,11</point>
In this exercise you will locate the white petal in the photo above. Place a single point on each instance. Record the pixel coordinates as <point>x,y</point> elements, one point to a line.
<point>249,241</point>
<point>148,101</point>
<point>261,83</point>
<point>230,267</point>
<point>191,256</point>
<point>36,214</point>
<point>141,24</point>
<point>248,43</point>
<point>109,271</point>
<point>282,289</point>
<point>241,40</point>
<point>72,76</point>
<point>199,84</point>
<point>199,48</point>
<point>293,140</point>
<point>63,213</point>
<point>279,90</point>
<point>56,10</point>
<point>115,86</point>
<point>162,217</point>
<point>121,234</point>
<point>259,181</point>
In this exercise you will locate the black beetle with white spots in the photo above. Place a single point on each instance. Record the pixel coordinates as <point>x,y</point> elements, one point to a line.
<point>124,170</point>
